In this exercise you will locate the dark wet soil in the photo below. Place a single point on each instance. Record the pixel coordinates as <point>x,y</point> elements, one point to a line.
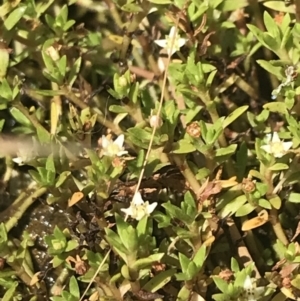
<point>40,221</point>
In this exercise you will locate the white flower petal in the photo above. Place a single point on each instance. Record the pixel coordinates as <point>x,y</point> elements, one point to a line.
<point>181,42</point>
<point>137,199</point>
<point>268,138</point>
<point>275,138</point>
<point>127,211</point>
<point>287,145</point>
<point>119,141</point>
<point>152,10</point>
<point>150,208</point>
<point>248,283</point>
<point>251,292</point>
<point>113,148</point>
<point>267,148</point>
<point>105,142</point>
<point>171,51</point>
<point>166,44</point>
<point>161,43</point>
<point>258,291</point>
<point>161,65</point>
<point>18,160</point>
<point>138,208</point>
<point>276,147</point>
<point>121,153</point>
<point>278,154</point>
<point>172,32</point>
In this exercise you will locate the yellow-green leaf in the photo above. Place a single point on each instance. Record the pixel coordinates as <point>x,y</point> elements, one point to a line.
<point>14,17</point>
<point>234,115</point>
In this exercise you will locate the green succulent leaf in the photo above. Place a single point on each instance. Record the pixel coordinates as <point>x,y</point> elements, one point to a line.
<point>14,17</point>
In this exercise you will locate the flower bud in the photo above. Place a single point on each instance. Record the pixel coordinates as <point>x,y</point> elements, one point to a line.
<point>248,185</point>
<point>194,130</point>
<point>155,121</point>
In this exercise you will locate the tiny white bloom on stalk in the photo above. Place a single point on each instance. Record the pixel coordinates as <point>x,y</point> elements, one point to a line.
<point>138,208</point>
<point>251,293</point>
<point>275,146</point>
<point>167,42</point>
<point>113,148</point>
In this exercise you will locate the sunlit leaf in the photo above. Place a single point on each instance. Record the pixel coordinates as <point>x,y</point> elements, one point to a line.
<point>256,222</point>
<point>280,6</point>
<point>14,17</point>
<point>161,1</point>
<point>183,147</point>
<point>159,281</point>
<point>276,107</point>
<point>76,197</point>
<point>245,209</point>
<point>234,115</point>
<point>20,117</point>
<point>294,197</point>
<point>276,202</point>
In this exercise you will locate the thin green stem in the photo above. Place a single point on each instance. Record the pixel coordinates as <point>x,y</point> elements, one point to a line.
<point>22,269</point>
<point>8,172</point>
<point>135,112</point>
<point>211,107</point>
<point>19,207</point>
<point>196,239</point>
<point>260,24</point>
<point>253,248</point>
<point>132,27</point>
<point>187,173</point>
<point>135,286</point>
<point>277,228</point>
<point>60,281</point>
<point>114,13</point>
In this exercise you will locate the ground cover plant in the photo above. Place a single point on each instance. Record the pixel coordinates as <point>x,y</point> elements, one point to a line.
<point>149,150</point>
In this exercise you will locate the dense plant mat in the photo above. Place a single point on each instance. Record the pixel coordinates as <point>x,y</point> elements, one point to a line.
<point>149,150</point>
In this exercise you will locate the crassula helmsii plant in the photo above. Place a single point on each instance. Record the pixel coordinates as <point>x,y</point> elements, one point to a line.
<point>167,135</point>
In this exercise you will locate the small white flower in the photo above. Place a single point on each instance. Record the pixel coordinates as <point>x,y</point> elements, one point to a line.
<point>166,44</point>
<point>251,293</point>
<point>113,148</point>
<point>138,208</point>
<point>275,146</point>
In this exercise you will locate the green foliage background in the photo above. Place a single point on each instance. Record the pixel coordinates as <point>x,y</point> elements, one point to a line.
<point>75,73</point>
